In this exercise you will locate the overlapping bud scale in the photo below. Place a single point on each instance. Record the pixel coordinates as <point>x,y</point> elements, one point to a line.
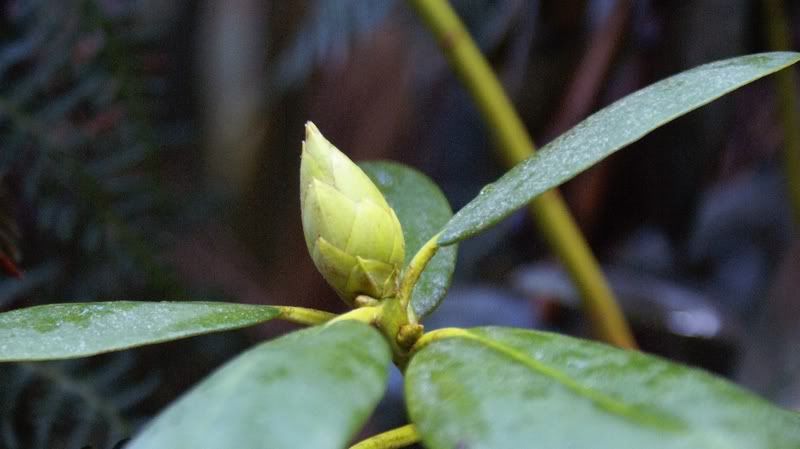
<point>352,234</point>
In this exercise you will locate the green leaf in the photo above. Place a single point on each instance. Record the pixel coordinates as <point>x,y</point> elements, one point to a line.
<point>605,132</point>
<point>312,388</point>
<point>510,388</point>
<point>422,210</point>
<point>62,331</point>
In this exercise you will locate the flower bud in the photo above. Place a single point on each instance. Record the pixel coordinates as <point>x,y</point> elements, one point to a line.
<point>352,233</point>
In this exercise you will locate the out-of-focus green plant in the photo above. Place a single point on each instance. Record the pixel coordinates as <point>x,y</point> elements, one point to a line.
<point>514,144</point>
<point>465,388</point>
<point>778,35</point>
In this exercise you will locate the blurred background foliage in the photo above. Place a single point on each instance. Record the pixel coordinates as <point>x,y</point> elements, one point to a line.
<point>150,150</point>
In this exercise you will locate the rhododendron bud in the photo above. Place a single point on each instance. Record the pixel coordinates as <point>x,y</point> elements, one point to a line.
<point>352,233</point>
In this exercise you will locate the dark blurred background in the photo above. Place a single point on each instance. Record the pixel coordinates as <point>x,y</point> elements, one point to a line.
<point>149,150</point>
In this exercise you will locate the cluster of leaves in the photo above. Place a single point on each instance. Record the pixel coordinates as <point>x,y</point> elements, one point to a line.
<point>484,387</point>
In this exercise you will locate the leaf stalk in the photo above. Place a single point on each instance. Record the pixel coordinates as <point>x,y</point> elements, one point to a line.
<point>392,439</point>
<point>305,316</point>
<point>368,315</point>
<point>413,272</point>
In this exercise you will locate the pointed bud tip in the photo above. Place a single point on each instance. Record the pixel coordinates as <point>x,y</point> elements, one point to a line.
<point>316,146</point>
<point>311,127</point>
<point>311,131</point>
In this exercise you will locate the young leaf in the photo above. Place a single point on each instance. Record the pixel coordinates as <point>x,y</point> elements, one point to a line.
<point>63,331</point>
<point>311,388</point>
<point>605,132</point>
<point>422,210</point>
<point>510,388</point>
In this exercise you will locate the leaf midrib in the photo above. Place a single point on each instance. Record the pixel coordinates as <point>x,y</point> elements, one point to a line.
<point>606,402</point>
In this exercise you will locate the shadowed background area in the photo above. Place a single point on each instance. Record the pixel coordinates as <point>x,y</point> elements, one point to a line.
<point>150,150</point>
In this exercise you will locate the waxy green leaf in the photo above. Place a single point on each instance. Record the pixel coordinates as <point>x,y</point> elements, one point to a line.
<point>605,132</point>
<point>422,210</point>
<point>312,388</point>
<point>62,331</point>
<point>499,388</point>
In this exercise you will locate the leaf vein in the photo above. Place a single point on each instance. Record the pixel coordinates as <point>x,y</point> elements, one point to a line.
<point>604,401</point>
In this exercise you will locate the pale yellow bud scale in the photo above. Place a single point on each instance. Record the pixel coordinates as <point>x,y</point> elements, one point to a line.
<point>352,234</point>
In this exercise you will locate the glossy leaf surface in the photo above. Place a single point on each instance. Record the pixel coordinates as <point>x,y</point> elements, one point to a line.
<point>498,388</point>
<point>422,210</point>
<point>605,132</point>
<point>61,331</point>
<point>312,388</point>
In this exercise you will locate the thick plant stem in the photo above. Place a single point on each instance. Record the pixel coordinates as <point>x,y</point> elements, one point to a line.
<point>786,85</point>
<point>392,439</point>
<point>302,315</point>
<point>515,145</point>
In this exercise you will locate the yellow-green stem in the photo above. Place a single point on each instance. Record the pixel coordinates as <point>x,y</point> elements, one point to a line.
<point>392,439</point>
<point>302,315</point>
<point>369,315</point>
<point>438,334</point>
<point>777,27</point>
<point>414,271</point>
<point>515,145</point>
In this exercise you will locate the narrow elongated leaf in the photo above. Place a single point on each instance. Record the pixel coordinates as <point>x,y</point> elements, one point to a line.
<point>422,210</point>
<point>62,331</point>
<point>312,388</point>
<point>607,131</point>
<point>503,388</point>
